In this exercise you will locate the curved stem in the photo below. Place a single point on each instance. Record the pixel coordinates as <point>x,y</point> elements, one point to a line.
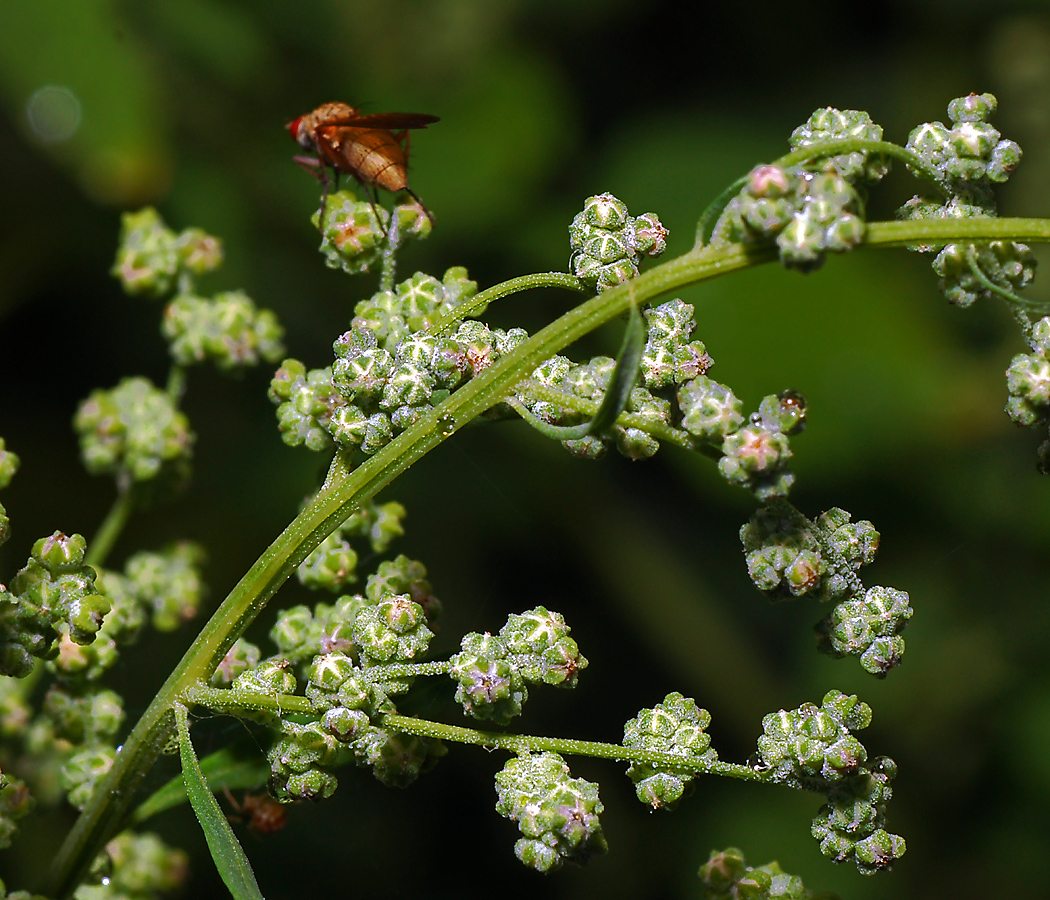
<point>344,491</point>
<point>111,527</point>
<point>476,304</point>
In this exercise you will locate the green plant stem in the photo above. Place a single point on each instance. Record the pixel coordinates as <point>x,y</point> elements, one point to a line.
<point>111,527</point>
<point>527,743</point>
<point>344,492</point>
<point>479,301</point>
<point>228,701</point>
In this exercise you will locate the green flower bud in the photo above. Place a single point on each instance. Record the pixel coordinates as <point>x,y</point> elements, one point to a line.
<point>344,724</point>
<point>332,566</point>
<point>272,676</point>
<point>396,759</point>
<point>229,330</point>
<point>306,402</point>
<point>8,465</point>
<point>1006,263</point>
<point>138,865</point>
<point>754,457</point>
<point>402,575</point>
<point>607,243</point>
<point>168,582</point>
<point>556,814</point>
<point>710,410</point>
<point>488,685</point>
<point>328,671</point>
<point>135,433</point>
<point>91,717</point>
<point>83,663</point>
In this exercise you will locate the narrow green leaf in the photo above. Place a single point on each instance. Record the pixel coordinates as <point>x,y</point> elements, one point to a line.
<point>234,868</point>
<point>616,396</point>
<point>237,765</point>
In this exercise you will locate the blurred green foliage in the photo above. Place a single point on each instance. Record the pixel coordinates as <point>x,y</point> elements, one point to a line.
<point>181,102</point>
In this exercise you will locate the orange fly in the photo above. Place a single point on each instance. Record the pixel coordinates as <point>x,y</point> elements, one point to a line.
<point>373,149</point>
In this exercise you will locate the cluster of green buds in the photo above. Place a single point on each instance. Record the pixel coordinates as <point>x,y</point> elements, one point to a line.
<point>967,158</point>
<point>726,876</point>
<point>388,370</point>
<point>227,329</point>
<point>134,432</point>
<point>558,389</point>
<point>334,563</point>
<point>52,595</point>
<point>492,671</point>
<point>356,234</point>
<point>753,455</point>
<point>153,260</point>
<point>300,633</point>
<point>168,583</point>
<point>303,756</point>
<point>813,748</point>
<point>135,867</point>
<point>851,824</point>
<point>677,726</point>
<point>87,720</point>
<point>608,243</point>
<point>556,814</point>
<point>810,209</point>
<point>789,555</point>
<point>1028,383</point>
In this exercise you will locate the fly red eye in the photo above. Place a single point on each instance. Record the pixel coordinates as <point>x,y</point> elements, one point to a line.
<point>293,128</point>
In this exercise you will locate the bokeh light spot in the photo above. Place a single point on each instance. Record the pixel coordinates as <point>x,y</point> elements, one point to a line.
<point>54,113</point>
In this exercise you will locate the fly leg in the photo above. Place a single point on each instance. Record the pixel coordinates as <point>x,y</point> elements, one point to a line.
<point>319,170</point>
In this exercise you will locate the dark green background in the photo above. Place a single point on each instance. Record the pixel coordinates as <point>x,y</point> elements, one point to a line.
<point>543,103</point>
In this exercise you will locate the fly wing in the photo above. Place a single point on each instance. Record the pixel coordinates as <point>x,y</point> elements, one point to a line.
<point>384,120</point>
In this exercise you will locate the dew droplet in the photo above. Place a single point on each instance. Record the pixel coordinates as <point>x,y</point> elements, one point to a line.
<point>446,425</point>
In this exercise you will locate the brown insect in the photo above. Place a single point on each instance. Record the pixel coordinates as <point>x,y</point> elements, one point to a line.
<point>373,149</point>
<point>265,815</point>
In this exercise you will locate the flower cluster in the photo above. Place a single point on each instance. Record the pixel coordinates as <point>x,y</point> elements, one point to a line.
<point>388,370</point>
<point>356,234</point>
<point>868,627</point>
<point>491,671</point>
<point>814,743</point>
<point>674,726</point>
<point>168,583</point>
<point>135,433</point>
<point>556,814</point>
<point>812,747</point>
<point>754,455</point>
<point>300,633</point>
<point>813,208</point>
<point>851,824</point>
<point>726,876</point>
<point>830,124</point>
<point>135,867</point>
<point>8,467</point>
<point>789,555</point>
<point>671,356</point>
<point>53,595</point>
<point>608,243</point>
<point>227,329</point>
<point>152,259</point>
<point>968,158</point>
<point>334,563</point>
<point>15,803</point>
<point>1028,379</point>
<point>808,213</point>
